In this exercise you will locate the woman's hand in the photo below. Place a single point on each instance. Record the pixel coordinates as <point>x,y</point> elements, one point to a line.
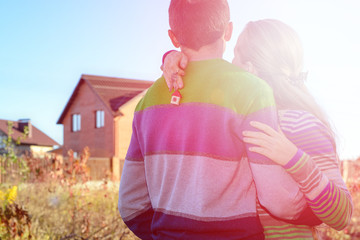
<point>270,143</point>
<point>173,69</point>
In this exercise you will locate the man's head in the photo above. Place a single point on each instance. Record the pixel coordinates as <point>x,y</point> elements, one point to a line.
<point>197,23</point>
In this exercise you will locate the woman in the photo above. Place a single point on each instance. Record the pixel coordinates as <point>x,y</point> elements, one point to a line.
<point>305,145</point>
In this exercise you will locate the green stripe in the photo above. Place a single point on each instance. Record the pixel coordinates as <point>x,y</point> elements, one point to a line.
<point>293,234</point>
<point>283,237</point>
<point>215,82</point>
<point>291,230</point>
<point>337,211</point>
<point>287,230</point>
<point>287,225</point>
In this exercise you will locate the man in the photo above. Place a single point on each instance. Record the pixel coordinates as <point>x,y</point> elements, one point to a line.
<point>186,175</point>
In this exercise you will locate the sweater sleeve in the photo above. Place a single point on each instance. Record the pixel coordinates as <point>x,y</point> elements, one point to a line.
<point>324,190</point>
<point>277,192</point>
<point>134,202</point>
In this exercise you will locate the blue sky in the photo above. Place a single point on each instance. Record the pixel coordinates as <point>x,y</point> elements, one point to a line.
<point>45,46</point>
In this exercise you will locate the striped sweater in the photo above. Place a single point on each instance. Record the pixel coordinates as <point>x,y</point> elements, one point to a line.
<point>315,169</point>
<point>188,174</point>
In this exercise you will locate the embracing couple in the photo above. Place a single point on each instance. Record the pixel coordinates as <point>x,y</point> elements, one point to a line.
<point>245,152</point>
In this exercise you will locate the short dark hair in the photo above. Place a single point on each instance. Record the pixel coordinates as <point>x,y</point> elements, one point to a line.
<point>197,23</point>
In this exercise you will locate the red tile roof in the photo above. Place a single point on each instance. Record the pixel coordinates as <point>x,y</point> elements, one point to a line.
<point>114,92</point>
<point>37,137</point>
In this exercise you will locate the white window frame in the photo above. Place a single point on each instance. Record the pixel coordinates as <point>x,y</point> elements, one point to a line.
<point>75,122</point>
<point>99,119</point>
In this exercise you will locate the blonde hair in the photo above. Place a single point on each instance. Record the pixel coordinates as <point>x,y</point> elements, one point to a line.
<point>275,51</point>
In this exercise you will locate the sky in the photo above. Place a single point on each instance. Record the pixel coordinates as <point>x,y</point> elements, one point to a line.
<point>45,46</point>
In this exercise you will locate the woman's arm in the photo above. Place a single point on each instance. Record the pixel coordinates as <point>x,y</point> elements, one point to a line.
<point>323,187</point>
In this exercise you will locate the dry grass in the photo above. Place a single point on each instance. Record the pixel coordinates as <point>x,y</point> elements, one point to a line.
<point>85,212</point>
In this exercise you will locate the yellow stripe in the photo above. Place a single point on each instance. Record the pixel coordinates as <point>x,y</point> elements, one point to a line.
<point>302,161</point>
<point>301,137</point>
<point>321,200</point>
<point>328,201</point>
<point>335,198</point>
<point>287,226</point>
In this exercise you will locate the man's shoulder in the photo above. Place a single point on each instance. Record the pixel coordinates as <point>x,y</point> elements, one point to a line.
<point>241,80</point>
<point>155,95</point>
<point>248,92</point>
<point>232,72</point>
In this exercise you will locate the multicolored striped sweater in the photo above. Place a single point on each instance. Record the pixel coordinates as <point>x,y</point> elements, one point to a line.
<point>187,173</point>
<point>315,169</point>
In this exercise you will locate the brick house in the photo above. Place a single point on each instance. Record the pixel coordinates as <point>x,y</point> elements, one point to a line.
<point>99,115</point>
<point>36,142</point>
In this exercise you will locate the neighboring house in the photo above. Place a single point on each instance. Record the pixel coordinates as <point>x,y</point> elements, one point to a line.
<point>36,142</point>
<point>99,115</point>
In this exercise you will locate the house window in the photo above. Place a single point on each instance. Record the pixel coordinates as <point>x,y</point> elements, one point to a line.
<point>76,122</point>
<point>100,119</point>
<point>2,141</point>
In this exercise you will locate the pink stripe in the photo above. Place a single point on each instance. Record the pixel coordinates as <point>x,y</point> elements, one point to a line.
<point>294,120</point>
<point>342,222</point>
<point>320,150</point>
<point>333,216</point>
<point>267,116</point>
<point>189,128</point>
<point>294,160</point>
<point>311,140</point>
<point>319,145</point>
<point>337,200</point>
<point>307,131</point>
<point>323,195</point>
<point>334,198</point>
<point>193,129</point>
<point>134,152</point>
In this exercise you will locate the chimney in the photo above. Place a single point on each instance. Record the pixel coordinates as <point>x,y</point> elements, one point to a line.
<point>25,122</point>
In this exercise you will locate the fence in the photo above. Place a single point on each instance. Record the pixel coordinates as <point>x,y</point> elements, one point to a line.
<point>99,168</point>
<point>15,171</point>
<point>39,168</point>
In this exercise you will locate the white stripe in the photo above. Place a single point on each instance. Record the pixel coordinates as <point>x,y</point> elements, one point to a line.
<point>133,195</point>
<point>200,186</point>
<point>295,130</point>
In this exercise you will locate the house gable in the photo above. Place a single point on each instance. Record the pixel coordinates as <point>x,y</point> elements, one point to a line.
<point>113,92</point>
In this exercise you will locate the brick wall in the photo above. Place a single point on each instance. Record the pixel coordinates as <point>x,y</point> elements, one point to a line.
<point>99,140</point>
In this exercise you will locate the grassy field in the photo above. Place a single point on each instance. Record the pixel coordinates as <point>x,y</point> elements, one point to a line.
<point>90,212</point>
<point>57,201</point>
<point>64,204</point>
